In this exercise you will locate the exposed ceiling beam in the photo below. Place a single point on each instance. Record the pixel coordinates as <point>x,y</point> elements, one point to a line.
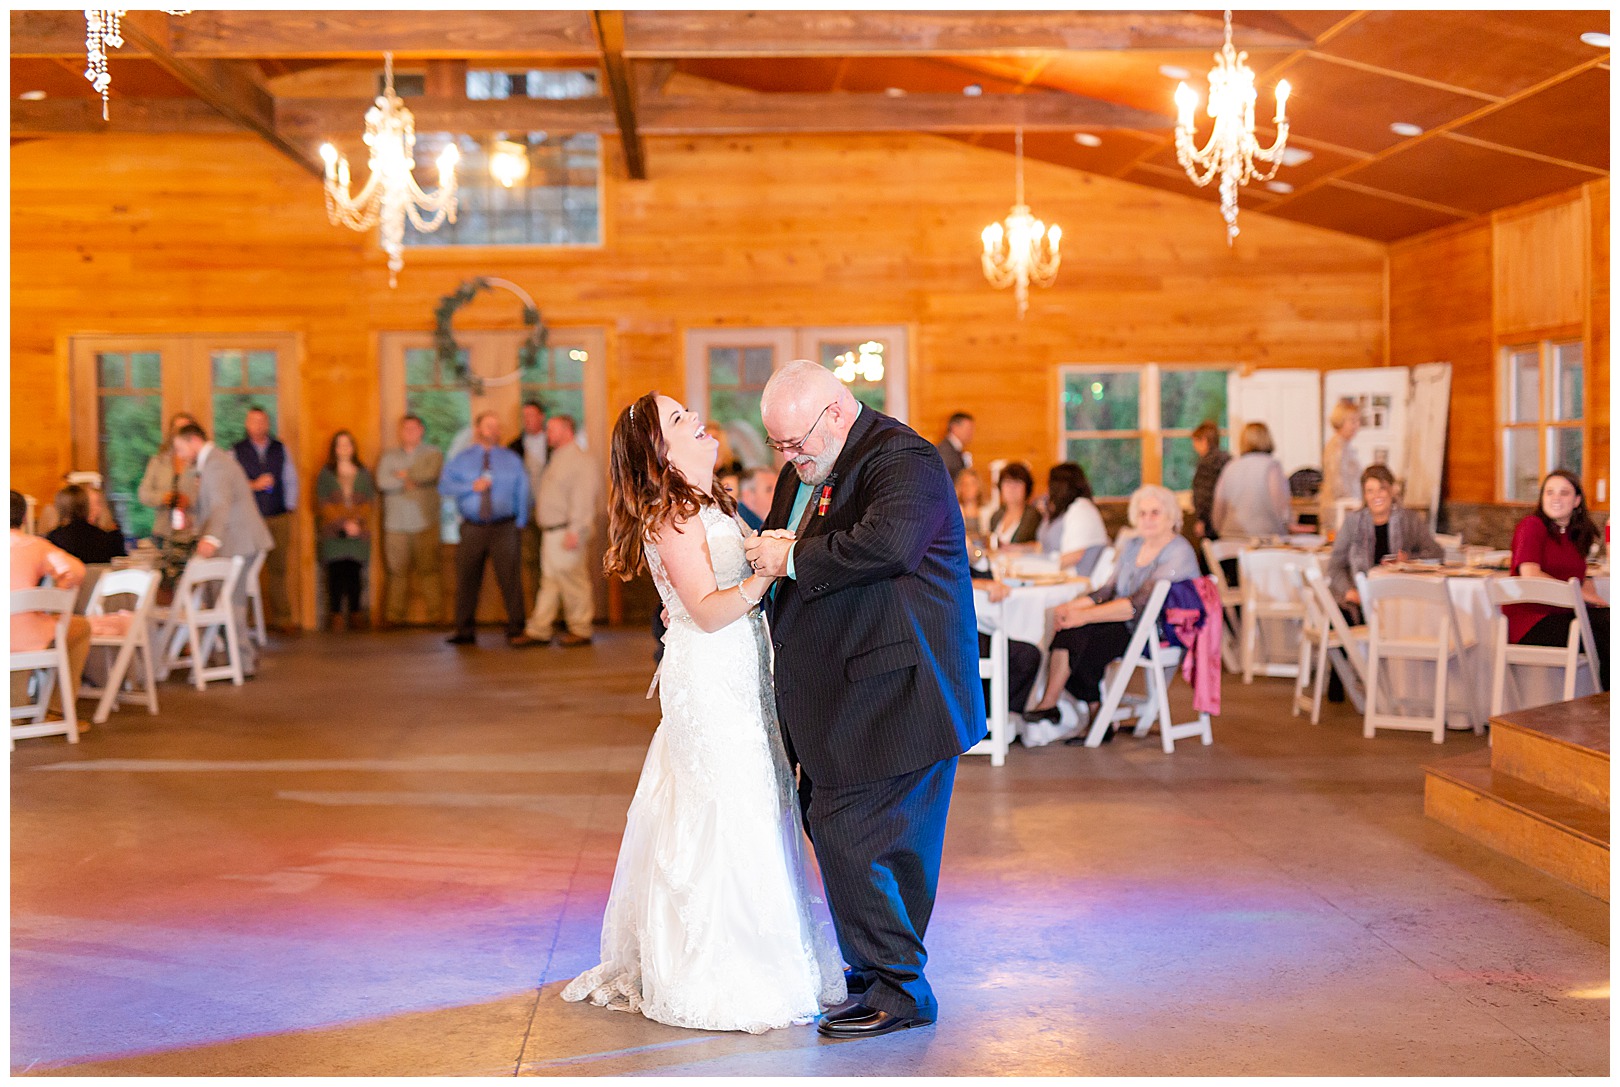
<point>621,89</point>
<point>561,35</point>
<point>326,118</point>
<point>154,116</point>
<point>233,88</point>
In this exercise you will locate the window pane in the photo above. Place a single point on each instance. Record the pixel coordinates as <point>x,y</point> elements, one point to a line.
<point>261,369</point>
<point>569,402</point>
<point>1564,448</point>
<point>445,414</point>
<point>227,369</point>
<point>1567,374</point>
<point>230,413</point>
<point>1179,463</point>
<point>736,411</point>
<point>419,366</point>
<point>131,431</point>
<point>757,364</point>
<point>725,366</point>
<point>568,365</point>
<point>146,370</point>
<point>1524,386</point>
<point>1112,465</point>
<point>1188,397</point>
<point>858,360</point>
<point>555,204</point>
<point>110,370</point>
<point>1523,465</point>
<point>1101,401</point>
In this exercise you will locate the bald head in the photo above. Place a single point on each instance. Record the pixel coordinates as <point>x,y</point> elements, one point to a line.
<point>808,413</point>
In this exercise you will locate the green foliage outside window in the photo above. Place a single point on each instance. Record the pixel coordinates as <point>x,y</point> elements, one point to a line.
<point>131,431</point>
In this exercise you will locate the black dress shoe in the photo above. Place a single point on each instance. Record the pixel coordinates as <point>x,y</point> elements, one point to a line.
<point>462,639</point>
<point>859,1021</point>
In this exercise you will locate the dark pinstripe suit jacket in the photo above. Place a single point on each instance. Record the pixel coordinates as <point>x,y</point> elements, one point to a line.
<point>877,648</point>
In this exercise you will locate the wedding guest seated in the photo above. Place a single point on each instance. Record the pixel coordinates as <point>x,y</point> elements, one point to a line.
<point>33,559</point>
<point>970,496</point>
<point>1095,629</point>
<point>78,530</point>
<point>1073,526</point>
<point>1380,529</point>
<point>1017,520</point>
<point>1553,542</point>
<point>1023,659</point>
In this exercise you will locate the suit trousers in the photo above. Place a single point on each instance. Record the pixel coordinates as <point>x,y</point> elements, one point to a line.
<point>879,844</point>
<point>413,557</point>
<point>565,583</point>
<point>277,605</point>
<point>498,544</point>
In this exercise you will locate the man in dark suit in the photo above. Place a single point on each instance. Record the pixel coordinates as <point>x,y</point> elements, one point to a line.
<point>877,679</point>
<point>953,447</point>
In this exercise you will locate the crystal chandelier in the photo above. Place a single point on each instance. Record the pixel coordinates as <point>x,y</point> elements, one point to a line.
<point>864,363</point>
<point>1020,249</point>
<point>1232,149</point>
<point>509,162</point>
<point>102,32</point>
<point>390,194</point>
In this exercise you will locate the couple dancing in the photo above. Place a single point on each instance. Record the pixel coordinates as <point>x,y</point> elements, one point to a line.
<point>861,569</point>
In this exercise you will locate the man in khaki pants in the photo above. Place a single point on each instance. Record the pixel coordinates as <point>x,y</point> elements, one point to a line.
<point>408,477</point>
<point>566,511</point>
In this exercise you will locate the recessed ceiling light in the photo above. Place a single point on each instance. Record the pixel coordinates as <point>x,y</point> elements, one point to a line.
<point>1597,38</point>
<point>1086,139</point>
<point>1406,128</point>
<point>1293,156</point>
<point>1174,71</point>
<point>1279,186</point>
<point>895,92</point>
<point>973,90</point>
<point>31,96</point>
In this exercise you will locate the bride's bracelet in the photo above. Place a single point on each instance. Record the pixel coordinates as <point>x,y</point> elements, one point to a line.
<point>751,601</point>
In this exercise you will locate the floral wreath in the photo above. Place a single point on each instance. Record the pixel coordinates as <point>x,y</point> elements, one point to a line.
<point>449,352</point>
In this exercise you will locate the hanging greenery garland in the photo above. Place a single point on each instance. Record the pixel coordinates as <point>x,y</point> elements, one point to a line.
<point>449,352</point>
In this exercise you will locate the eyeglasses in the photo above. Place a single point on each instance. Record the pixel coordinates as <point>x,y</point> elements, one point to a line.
<point>783,447</point>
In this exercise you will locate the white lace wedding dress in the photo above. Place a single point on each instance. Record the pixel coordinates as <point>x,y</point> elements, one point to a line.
<point>710,923</point>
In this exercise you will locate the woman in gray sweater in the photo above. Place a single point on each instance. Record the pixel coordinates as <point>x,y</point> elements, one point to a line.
<point>1379,528</point>
<point>1251,495</point>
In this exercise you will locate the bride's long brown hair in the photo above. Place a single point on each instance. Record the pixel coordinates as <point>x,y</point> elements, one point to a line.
<point>647,490</point>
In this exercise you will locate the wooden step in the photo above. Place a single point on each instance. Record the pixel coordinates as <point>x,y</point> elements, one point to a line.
<point>1548,831</point>
<point>1563,747</point>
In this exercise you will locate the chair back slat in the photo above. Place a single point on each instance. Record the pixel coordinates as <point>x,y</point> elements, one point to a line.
<point>141,584</point>
<point>1531,590</point>
<point>55,601</point>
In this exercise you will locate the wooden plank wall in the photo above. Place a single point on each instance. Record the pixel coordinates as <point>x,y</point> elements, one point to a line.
<point>127,234</point>
<point>1459,294</point>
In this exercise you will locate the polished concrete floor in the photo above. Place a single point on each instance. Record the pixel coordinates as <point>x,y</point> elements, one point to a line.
<point>384,856</point>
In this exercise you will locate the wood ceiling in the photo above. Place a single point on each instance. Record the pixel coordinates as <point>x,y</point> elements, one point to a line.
<point>1512,104</point>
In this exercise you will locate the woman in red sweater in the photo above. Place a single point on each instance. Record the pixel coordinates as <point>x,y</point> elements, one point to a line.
<point>1552,542</point>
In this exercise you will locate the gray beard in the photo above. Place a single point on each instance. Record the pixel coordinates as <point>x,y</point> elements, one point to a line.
<point>820,467</point>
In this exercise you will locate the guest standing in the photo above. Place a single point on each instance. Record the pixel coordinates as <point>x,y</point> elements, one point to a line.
<point>228,522</point>
<point>76,530</point>
<point>1016,521</point>
<point>1340,466</point>
<point>1095,629</point>
<point>1553,543</point>
<point>570,492</point>
<point>408,477</point>
<point>170,489</point>
<point>491,490</point>
<point>1073,525</point>
<point>33,559</point>
<point>1251,494</point>
<point>530,444</point>
<point>953,448</point>
<point>1206,442</point>
<point>970,498</point>
<point>345,495</point>
<point>274,481</point>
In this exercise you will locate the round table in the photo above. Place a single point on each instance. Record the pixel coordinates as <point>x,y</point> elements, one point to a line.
<point>1026,616</point>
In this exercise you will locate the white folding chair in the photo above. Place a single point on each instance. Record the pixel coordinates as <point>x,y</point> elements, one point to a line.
<point>202,610</point>
<point>1438,648</point>
<point>1325,639</point>
<point>1159,662</point>
<point>1258,609</point>
<point>1215,552</point>
<point>142,585</point>
<point>1346,645</point>
<point>1584,617</point>
<point>255,599</point>
<point>994,668</point>
<point>49,665</point>
<point>1569,658</point>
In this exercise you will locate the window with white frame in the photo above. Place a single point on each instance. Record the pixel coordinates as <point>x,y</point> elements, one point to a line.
<point>1543,414</point>
<point>1129,425</point>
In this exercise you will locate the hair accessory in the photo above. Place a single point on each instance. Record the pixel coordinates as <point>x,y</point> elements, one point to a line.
<point>632,413</point>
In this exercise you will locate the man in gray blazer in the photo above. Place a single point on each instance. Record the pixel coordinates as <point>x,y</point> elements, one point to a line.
<point>227,520</point>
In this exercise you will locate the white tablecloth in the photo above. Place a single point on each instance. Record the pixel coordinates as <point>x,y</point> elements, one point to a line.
<point>1264,567</point>
<point>1026,616</point>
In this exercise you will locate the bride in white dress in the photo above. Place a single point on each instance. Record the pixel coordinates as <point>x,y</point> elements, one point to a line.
<point>709,923</point>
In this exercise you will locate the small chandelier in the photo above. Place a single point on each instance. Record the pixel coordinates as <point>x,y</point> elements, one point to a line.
<point>509,162</point>
<point>1021,249</point>
<point>390,194</point>
<point>102,32</point>
<point>864,363</point>
<point>1232,150</point>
